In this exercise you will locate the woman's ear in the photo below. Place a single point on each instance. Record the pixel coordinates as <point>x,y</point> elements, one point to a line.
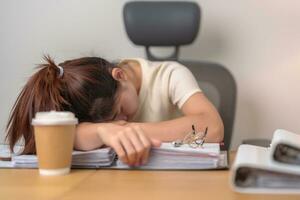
<point>118,74</point>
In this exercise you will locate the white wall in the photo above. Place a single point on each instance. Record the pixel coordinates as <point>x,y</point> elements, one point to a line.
<point>258,41</point>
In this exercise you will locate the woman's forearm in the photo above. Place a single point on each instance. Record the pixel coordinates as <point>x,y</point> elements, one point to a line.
<point>178,128</point>
<point>86,137</point>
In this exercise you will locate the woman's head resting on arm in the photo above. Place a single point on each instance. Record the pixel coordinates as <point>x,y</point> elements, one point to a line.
<point>92,88</point>
<point>127,102</point>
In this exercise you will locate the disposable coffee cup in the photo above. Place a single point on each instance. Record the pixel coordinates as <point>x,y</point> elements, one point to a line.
<point>54,134</point>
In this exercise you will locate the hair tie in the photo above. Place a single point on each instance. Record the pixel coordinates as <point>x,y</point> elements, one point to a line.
<point>61,71</point>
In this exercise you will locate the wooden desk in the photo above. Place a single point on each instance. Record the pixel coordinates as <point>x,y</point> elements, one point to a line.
<point>25,184</point>
<point>122,184</point>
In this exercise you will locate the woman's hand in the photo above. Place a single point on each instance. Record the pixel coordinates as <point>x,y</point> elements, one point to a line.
<point>128,140</point>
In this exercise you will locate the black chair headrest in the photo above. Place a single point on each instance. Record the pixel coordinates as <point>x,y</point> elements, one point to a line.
<point>161,23</point>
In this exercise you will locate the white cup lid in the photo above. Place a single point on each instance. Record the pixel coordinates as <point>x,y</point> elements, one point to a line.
<point>54,118</point>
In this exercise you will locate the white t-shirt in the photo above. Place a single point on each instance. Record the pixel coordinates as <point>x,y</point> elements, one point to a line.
<point>165,87</point>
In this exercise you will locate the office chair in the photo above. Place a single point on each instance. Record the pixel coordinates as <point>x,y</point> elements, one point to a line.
<point>174,24</point>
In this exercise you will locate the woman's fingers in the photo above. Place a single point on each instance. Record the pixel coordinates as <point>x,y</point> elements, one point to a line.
<point>155,142</point>
<point>129,149</point>
<point>117,146</point>
<point>146,143</point>
<point>130,142</point>
<point>138,145</point>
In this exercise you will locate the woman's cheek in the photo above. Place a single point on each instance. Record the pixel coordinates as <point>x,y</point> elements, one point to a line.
<point>132,105</point>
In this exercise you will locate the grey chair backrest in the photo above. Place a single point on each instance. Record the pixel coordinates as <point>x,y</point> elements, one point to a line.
<point>176,24</point>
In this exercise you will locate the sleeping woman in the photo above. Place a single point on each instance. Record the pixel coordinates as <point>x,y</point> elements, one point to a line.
<point>130,106</point>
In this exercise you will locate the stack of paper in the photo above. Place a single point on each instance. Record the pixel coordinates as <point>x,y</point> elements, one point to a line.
<point>164,157</point>
<point>93,159</point>
<point>184,157</point>
<point>6,155</point>
<point>265,170</point>
<point>80,159</point>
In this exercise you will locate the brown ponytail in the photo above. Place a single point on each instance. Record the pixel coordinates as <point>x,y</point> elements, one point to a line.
<point>85,88</point>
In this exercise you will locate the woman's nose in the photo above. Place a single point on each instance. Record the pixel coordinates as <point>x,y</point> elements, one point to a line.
<point>121,117</point>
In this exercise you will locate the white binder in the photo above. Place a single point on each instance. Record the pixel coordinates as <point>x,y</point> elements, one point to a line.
<point>258,170</point>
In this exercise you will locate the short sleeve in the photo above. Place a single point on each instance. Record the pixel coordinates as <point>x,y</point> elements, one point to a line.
<point>182,85</point>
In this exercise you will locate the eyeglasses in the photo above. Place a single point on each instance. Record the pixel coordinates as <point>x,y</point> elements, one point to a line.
<point>193,139</point>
